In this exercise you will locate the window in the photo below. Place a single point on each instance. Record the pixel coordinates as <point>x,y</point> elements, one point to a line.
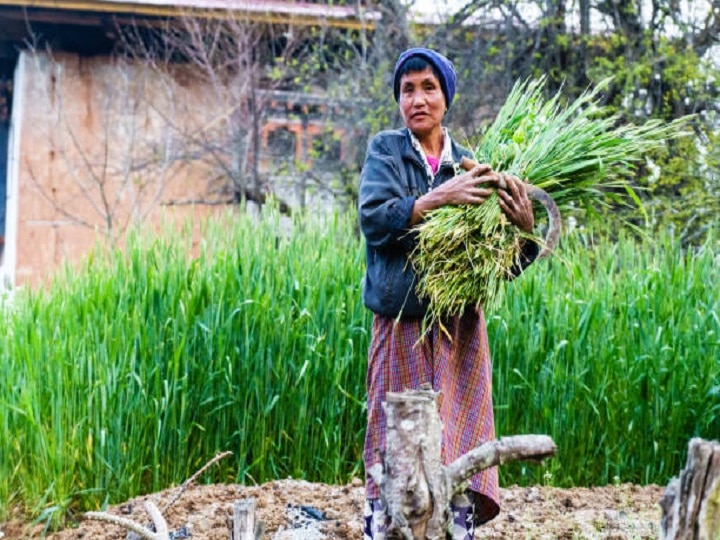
<point>281,145</point>
<point>326,151</point>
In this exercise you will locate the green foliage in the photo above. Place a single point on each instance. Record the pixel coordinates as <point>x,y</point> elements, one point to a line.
<point>664,80</point>
<point>615,350</point>
<point>127,375</point>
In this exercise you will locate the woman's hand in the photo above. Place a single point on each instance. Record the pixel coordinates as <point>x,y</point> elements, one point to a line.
<point>466,188</point>
<point>515,203</point>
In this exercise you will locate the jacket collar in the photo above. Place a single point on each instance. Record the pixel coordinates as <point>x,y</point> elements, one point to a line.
<point>408,152</point>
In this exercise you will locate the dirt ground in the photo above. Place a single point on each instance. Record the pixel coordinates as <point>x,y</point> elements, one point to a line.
<point>292,509</point>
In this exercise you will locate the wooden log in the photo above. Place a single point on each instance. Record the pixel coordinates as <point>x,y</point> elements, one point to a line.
<point>245,525</point>
<point>691,502</point>
<point>415,488</point>
<point>415,485</point>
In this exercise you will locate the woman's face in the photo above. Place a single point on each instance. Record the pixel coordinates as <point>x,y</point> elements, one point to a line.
<point>422,102</point>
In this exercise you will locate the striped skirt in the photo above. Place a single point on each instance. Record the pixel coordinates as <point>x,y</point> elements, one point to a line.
<point>459,368</point>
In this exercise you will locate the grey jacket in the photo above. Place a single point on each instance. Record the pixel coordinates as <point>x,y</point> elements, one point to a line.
<point>392,178</point>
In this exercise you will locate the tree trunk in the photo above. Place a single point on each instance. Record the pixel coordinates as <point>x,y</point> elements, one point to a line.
<point>691,501</point>
<point>415,485</point>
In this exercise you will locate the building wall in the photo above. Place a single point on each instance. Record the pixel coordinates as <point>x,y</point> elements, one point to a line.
<point>105,144</point>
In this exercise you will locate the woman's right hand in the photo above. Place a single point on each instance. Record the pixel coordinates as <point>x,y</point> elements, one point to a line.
<point>469,187</point>
<point>466,188</point>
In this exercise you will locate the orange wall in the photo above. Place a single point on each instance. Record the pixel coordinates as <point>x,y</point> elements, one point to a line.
<point>89,129</point>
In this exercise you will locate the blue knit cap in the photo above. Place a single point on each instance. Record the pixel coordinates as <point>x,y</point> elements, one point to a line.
<point>444,67</point>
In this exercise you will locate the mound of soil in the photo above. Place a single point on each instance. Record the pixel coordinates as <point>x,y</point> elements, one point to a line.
<point>293,509</point>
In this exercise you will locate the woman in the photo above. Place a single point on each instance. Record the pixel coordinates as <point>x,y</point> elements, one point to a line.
<point>407,173</point>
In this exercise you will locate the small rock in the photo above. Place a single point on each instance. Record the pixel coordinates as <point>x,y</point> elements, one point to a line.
<point>312,512</point>
<point>126,508</point>
<point>356,482</point>
<point>533,495</point>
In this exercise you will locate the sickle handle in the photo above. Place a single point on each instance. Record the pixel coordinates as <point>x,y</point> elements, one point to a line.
<point>541,196</point>
<point>554,219</point>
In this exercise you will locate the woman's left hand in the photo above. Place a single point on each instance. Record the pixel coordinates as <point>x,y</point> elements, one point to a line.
<point>515,203</point>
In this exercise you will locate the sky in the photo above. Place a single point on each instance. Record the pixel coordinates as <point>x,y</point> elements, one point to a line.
<point>436,9</point>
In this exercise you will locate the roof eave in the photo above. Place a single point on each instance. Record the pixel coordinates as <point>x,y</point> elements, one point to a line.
<point>248,12</point>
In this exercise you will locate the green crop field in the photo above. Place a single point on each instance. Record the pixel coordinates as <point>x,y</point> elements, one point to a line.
<point>127,374</point>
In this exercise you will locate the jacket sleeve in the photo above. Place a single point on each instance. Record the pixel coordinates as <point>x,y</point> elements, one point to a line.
<point>384,203</point>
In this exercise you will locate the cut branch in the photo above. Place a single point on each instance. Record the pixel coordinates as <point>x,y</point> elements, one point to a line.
<point>159,528</point>
<point>144,532</point>
<point>532,448</point>
<point>194,477</point>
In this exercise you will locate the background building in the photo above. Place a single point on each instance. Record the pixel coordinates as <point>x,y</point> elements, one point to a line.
<point>110,116</point>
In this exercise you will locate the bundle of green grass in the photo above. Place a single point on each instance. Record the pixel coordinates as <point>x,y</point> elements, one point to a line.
<point>579,153</point>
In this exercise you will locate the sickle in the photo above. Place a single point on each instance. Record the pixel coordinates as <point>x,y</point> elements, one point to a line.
<point>535,193</point>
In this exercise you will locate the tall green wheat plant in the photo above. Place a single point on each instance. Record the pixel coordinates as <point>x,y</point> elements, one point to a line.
<point>579,153</point>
